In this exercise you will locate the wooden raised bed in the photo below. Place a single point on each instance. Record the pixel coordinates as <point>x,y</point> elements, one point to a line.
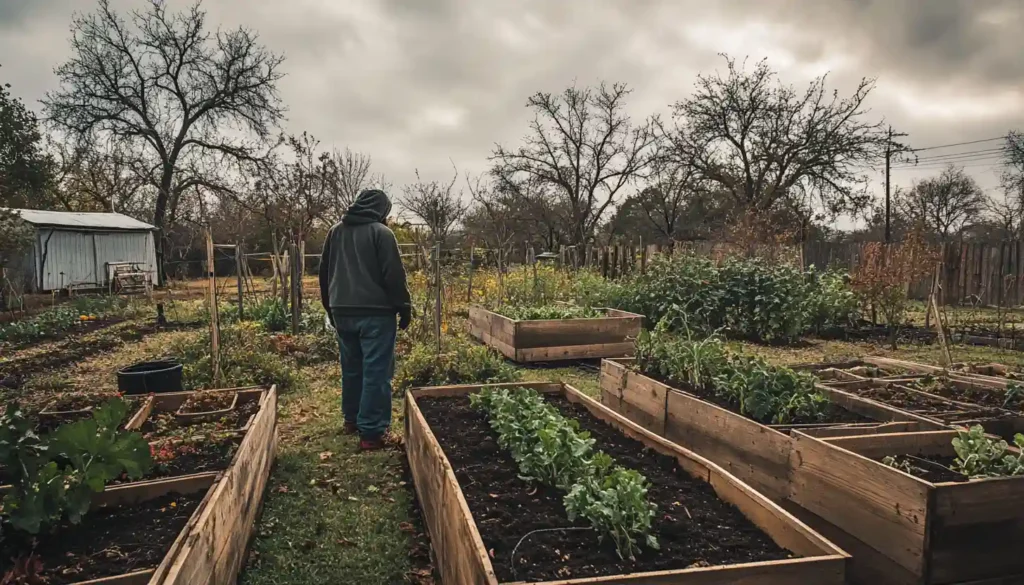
<point>557,339</point>
<point>462,558</point>
<point>756,453</point>
<point>210,549</point>
<point>931,533</point>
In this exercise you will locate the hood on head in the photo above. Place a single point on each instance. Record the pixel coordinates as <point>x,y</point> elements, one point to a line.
<point>372,206</point>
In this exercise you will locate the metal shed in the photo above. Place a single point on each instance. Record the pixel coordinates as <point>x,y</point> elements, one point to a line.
<point>81,249</point>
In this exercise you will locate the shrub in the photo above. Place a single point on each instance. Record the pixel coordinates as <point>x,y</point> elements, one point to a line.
<point>464,363</point>
<point>831,303</point>
<point>248,358</point>
<point>763,301</point>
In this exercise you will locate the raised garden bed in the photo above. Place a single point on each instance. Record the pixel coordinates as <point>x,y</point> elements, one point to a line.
<point>207,405</point>
<point>557,339</point>
<point>756,453</point>
<point>928,532</point>
<point>76,407</point>
<point>183,530</point>
<point>713,528</point>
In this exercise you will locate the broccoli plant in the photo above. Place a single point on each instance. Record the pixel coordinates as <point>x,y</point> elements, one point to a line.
<point>979,456</point>
<point>549,448</point>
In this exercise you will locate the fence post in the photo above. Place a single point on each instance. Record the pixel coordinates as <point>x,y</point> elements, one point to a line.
<point>643,259</point>
<point>239,275</point>
<point>437,288</point>
<point>604,263</point>
<point>469,287</point>
<point>296,286</point>
<point>214,314</point>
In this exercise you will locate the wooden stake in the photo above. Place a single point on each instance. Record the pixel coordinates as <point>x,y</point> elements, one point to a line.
<point>469,288</point>
<point>296,286</point>
<point>437,288</point>
<point>214,316</point>
<point>240,276</point>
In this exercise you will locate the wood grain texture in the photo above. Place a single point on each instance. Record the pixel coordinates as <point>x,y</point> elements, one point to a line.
<point>454,538</point>
<point>214,549</point>
<point>876,504</point>
<point>556,339</point>
<point>824,571</point>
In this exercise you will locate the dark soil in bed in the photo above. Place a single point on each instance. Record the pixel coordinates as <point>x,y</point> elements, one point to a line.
<point>693,526</point>
<point>51,422</point>
<point>108,542</point>
<point>932,468</point>
<point>200,457</point>
<point>988,397</point>
<point>835,414</point>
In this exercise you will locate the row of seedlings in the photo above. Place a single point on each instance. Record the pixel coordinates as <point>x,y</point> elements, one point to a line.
<point>893,499</point>
<point>161,489</point>
<point>539,483</point>
<point>547,334</point>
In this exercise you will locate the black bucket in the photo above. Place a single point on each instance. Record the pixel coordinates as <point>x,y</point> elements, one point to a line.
<point>156,377</point>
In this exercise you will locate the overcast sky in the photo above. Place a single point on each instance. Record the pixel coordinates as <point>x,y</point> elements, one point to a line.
<point>416,82</point>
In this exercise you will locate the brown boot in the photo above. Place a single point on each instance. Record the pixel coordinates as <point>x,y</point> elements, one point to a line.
<point>349,429</point>
<point>387,440</point>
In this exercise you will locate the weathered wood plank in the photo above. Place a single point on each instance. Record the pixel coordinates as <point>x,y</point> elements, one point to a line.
<point>878,505</point>
<point>214,550</point>
<point>574,352</point>
<point>822,570</point>
<point>458,548</point>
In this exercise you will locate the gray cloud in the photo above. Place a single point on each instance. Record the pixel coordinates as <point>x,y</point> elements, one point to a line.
<point>415,83</point>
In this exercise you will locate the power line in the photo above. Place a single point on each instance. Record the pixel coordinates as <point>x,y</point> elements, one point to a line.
<point>958,144</point>
<point>962,154</point>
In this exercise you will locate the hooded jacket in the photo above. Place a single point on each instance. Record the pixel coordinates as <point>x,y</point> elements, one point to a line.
<point>361,270</point>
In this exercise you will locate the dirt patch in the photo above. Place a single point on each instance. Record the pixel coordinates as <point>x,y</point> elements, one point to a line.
<point>108,542</point>
<point>988,397</point>
<point>934,469</point>
<point>16,372</point>
<point>166,424</point>
<point>191,457</point>
<point>918,403</point>
<point>693,526</point>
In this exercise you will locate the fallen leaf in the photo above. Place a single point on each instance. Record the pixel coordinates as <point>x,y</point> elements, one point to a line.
<point>326,455</point>
<point>353,499</point>
<point>491,552</point>
<point>372,489</point>
<point>406,527</point>
<point>346,542</point>
<point>495,496</point>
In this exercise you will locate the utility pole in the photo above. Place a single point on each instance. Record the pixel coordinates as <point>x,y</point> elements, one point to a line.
<point>888,199</point>
<point>891,148</point>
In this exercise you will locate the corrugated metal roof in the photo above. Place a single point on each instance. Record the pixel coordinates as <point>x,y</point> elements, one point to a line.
<point>109,221</point>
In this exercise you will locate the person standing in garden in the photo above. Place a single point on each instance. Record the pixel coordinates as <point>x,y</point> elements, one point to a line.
<point>363,288</point>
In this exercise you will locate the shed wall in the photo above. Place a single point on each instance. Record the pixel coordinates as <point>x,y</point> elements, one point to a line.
<point>82,256</point>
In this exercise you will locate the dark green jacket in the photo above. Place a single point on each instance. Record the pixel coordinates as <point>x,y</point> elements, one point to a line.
<point>361,270</point>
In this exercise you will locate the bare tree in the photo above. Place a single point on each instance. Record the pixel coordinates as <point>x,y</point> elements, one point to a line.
<point>670,192</point>
<point>436,204</point>
<point>944,204</point>
<point>758,139</point>
<point>94,177</point>
<point>351,174</point>
<point>1013,160</point>
<point>495,216</point>
<point>583,148</point>
<point>164,86</point>
<point>1006,212</point>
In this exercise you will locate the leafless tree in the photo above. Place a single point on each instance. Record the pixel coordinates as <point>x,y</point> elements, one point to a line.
<point>944,204</point>
<point>670,192</point>
<point>758,139</point>
<point>1013,160</point>
<point>438,205</point>
<point>162,85</point>
<point>583,148</point>
<point>495,216</point>
<point>95,177</point>
<point>1006,212</point>
<point>351,174</point>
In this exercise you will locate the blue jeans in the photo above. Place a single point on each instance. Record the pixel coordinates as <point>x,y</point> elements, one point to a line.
<point>367,347</point>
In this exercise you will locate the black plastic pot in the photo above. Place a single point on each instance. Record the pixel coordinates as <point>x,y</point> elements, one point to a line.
<point>156,377</point>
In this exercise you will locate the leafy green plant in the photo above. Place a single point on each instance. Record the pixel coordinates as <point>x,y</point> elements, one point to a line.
<point>831,303</point>
<point>56,475</point>
<point>561,311</point>
<point>1014,395</point>
<point>755,388</point>
<point>550,449</point>
<point>980,456</point>
<point>463,362</point>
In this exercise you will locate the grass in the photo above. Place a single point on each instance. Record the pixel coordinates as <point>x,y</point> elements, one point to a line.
<point>332,514</point>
